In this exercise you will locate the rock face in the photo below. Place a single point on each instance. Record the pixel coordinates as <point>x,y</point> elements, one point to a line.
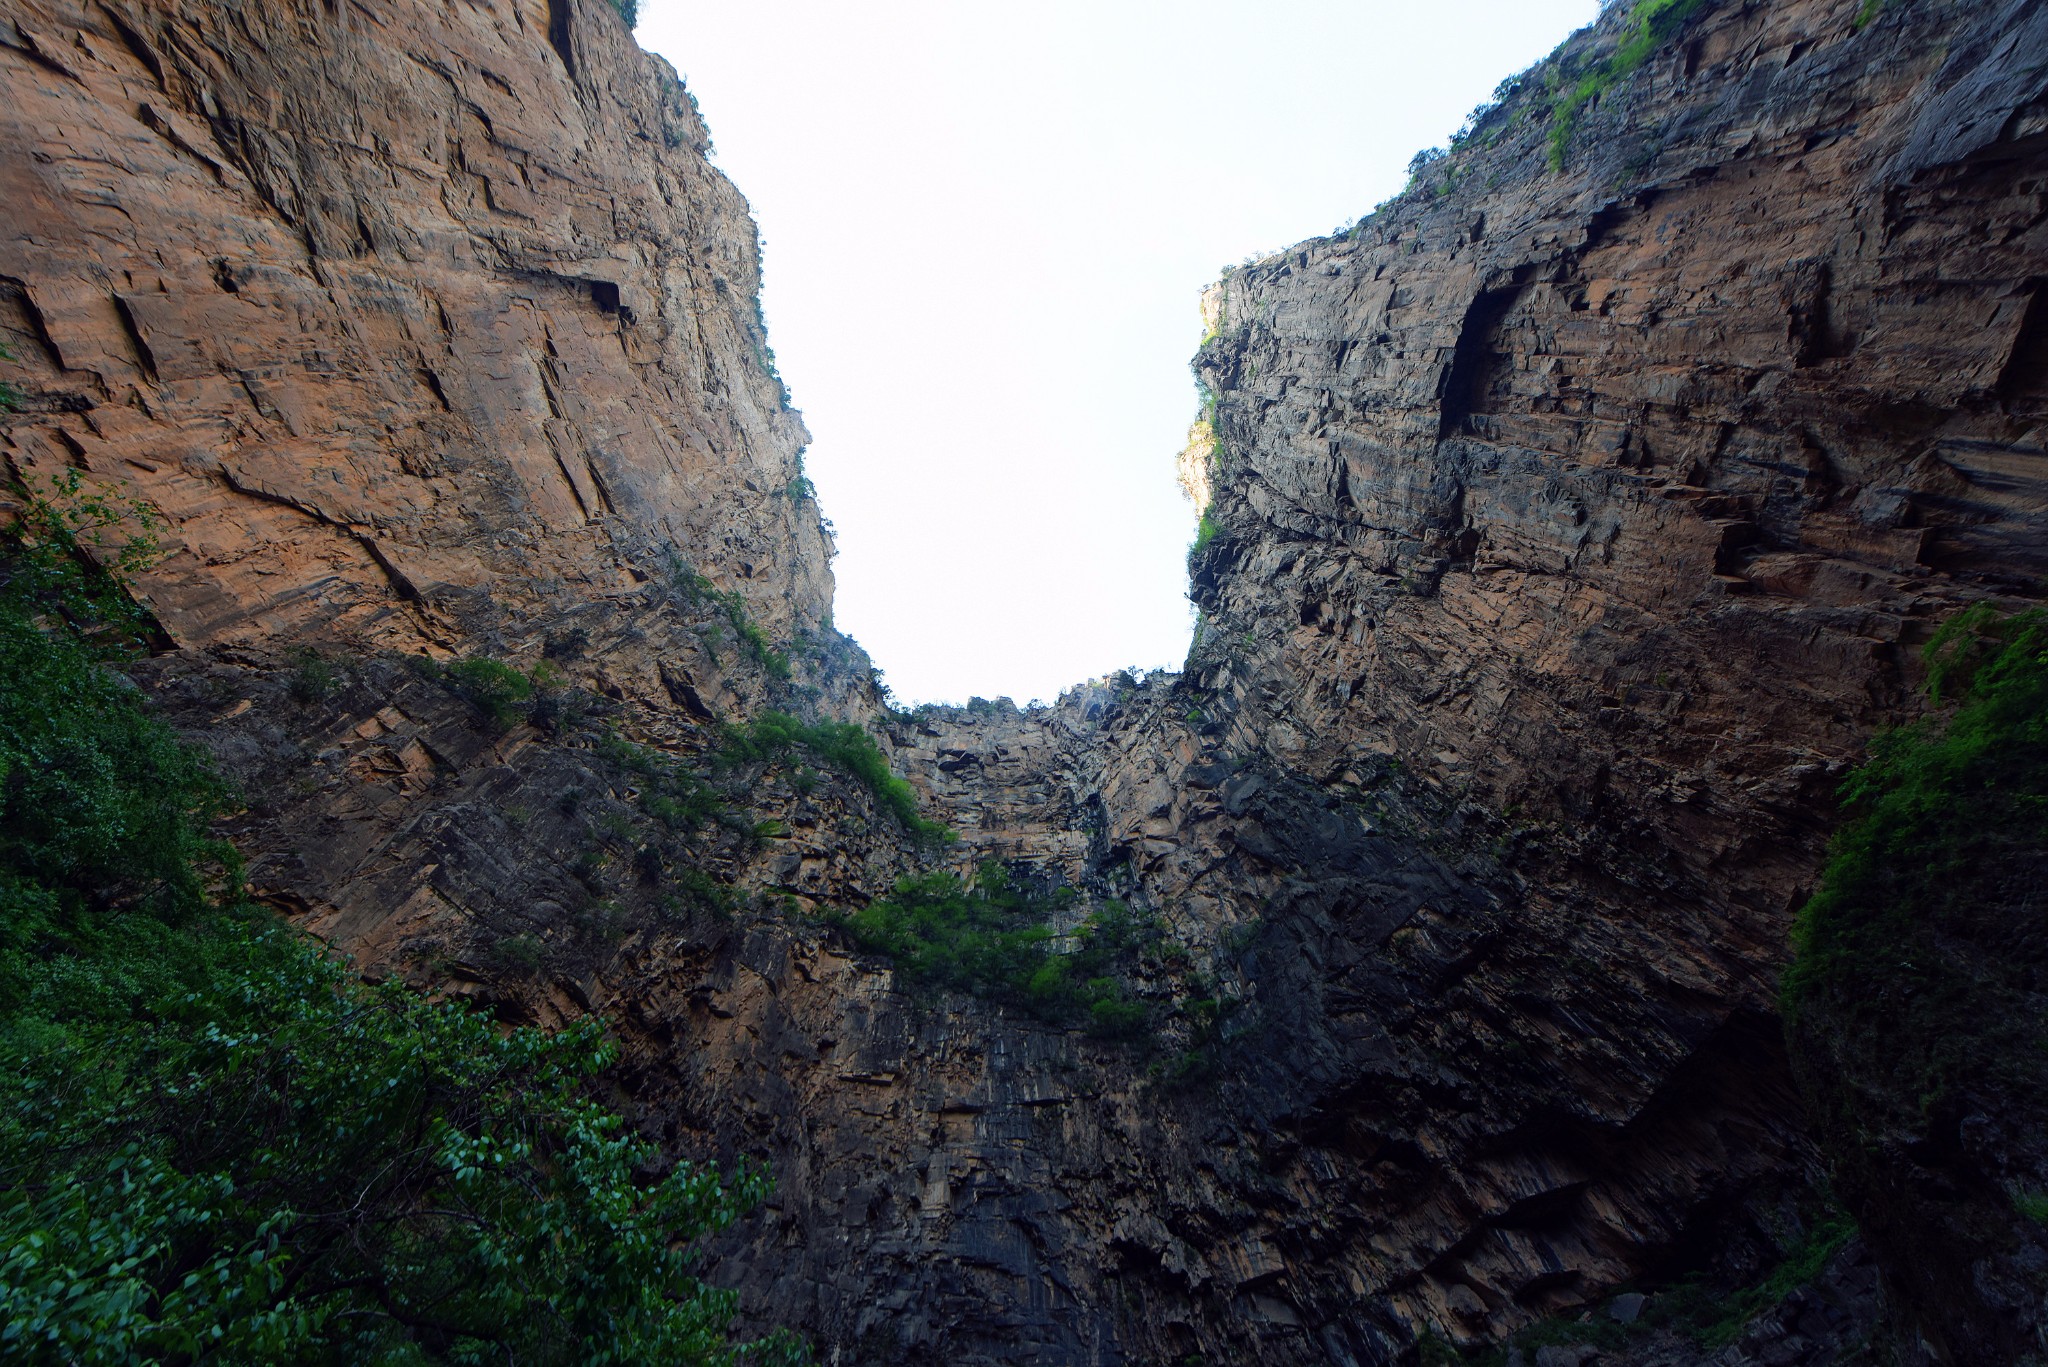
<point>1573,525</point>
<point>416,321</point>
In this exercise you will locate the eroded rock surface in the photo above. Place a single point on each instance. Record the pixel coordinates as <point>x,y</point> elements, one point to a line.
<point>415,320</point>
<point>1573,530</point>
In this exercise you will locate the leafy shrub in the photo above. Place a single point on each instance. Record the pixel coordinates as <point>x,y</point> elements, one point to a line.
<point>1650,22</point>
<point>494,688</point>
<point>1913,996</point>
<point>992,941</point>
<point>313,679</point>
<point>670,791</point>
<point>696,588</point>
<point>843,745</point>
<point>74,551</point>
<point>693,889</point>
<point>523,952</point>
<point>1935,802</point>
<point>216,1143</point>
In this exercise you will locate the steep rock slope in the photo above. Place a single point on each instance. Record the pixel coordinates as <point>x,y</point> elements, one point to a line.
<point>1569,532</point>
<point>403,314</point>
<point>1581,522</point>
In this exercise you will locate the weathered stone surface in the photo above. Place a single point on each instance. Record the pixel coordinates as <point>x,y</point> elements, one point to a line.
<point>1576,528</point>
<point>413,319</point>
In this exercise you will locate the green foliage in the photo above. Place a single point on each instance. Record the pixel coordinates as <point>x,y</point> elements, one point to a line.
<point>523,952</point>
<point>10,397</point>
<point>1866,15</point>
<point>1433,1350</point>
<point>698,589</point>
<point>1935,802</point>
<point>2033,1205</point>
<point>494,688</point>
<point>843,745</point>
<point>1205,532</point>
<point>992,940</point>
<point>215,1143</point>
<point>695,889</point>
<point>1913,996</point>
<point>1208,1018</point>
<point>669,791</point>
<point>1822,1240</point>
<point>499,691</point>
<point>1710,1317</point>
<point>313,678</point>
<point>629,10</point>
<point>74,550</point>
<point>1650,22</point>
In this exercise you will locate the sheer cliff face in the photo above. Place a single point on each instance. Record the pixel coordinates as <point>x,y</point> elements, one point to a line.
<point>1574,530</point>
<point>1574,527</point>
<point>410,317</point>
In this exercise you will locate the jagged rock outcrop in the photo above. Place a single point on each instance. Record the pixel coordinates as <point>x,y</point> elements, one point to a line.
<point>1572,528</point>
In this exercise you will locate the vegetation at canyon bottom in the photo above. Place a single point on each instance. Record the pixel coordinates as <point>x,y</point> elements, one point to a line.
<point>217,1144</point>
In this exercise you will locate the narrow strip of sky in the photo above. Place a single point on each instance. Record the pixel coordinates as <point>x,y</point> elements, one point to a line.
<point>987,227</point>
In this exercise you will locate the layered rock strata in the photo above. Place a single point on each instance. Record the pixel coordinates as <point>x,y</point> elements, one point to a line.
<point>415,321</point>
<point>1572,529</point>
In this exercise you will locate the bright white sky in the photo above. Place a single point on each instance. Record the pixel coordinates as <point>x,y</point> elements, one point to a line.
<point>987,229</point>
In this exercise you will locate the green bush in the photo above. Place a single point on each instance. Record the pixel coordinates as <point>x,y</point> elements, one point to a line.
<point>74,551</point>
<point>313,678</point>
<point>1935,802</point>
<point>1913,997</point>
<point>991,940</point>
<point>698,589</point>
<point>693,889</point>
<point>215,1143</point>
<point>1650,22</point>
<point>843,745</point>
<point>494,688</point>
<point>670,791</point>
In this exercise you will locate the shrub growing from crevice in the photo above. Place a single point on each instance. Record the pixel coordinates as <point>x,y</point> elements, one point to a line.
<point>669,790</point>
<point>696,589</point>
<point>497,690</point>
<point>843,745</point>
<point>1696,1310</point>
<point>1649,24</point>
<point>992,940</point>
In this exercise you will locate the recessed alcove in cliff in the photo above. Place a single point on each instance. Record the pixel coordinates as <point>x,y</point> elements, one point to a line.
<point>983,287</point>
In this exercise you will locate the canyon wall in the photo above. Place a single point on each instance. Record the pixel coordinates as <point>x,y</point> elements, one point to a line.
<point>416,321</point>
<point>1570,527</point>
